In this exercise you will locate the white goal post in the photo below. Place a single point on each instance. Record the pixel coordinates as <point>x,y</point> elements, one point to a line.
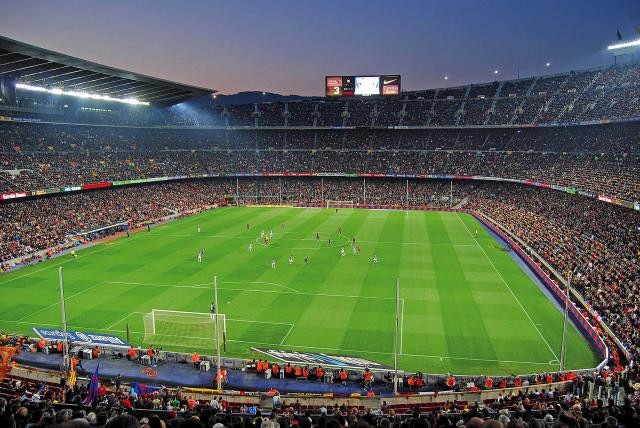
<point>340,204</point>
<point>181,328</point>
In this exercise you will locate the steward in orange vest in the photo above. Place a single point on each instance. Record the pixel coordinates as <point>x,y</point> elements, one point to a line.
<point>368,378</point>
<point>343,376</point>
<point>132,353</point>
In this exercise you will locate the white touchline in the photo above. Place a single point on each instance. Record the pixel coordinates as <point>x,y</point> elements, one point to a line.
<point>106,247</point>
<point>58,302</point>
<point>287,335</point>
<point>509,288</point>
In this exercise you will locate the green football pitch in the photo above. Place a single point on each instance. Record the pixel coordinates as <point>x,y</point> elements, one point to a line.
<point>466,307</point>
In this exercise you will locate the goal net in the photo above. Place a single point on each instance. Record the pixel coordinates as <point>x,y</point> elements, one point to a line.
<point>340,204</point>
<point>189,330</point>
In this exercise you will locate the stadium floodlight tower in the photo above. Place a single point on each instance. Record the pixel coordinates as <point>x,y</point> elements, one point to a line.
<point>624,48</point>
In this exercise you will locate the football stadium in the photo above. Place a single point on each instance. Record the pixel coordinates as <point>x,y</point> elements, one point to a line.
<point>374,254</point>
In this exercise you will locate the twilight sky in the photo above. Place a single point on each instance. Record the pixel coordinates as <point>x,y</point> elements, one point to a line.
<point>289,46</point>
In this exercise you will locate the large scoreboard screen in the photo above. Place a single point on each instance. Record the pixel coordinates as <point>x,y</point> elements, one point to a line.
<point>337,86</point>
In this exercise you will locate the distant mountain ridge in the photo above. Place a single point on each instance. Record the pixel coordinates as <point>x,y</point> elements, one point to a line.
<point>247,97</point>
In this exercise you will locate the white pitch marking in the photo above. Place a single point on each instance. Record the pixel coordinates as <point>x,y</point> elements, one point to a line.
<point>509,288</point>
<point>263,282</point>
<point>300,346</point>
<point>58,302</point>
<point>287,335</point>
<point>65,261</point>
<point>122,319</point>
<point>210,286</point>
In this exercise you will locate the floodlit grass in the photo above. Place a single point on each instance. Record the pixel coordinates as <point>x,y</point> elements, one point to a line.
<point>466,306</point>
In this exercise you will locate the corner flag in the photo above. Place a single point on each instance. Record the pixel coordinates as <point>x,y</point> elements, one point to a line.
<point>93,387</point>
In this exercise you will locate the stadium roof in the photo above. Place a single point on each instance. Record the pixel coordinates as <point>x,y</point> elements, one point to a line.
<point>36,66</point>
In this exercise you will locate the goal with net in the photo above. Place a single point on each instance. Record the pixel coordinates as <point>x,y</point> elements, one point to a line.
<point>340,204</point>
<point>190,330</point>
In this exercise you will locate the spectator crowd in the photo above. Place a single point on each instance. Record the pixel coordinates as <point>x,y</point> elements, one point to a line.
<point>25,403</point>
<point>594,243</point>
<point>598,243</point>
<point>609,93</point>
<point>599,159</point>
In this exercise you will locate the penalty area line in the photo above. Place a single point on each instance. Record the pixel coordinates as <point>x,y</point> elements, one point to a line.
<point>210,286</point>
<point>123,318</point>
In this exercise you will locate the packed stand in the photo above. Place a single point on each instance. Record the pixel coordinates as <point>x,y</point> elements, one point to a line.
<point>27,403</point>
<point>599,159</point>
<point>55,223</point>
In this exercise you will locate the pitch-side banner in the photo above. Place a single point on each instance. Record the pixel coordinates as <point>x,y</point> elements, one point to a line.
<point>80,337</point>
<point>318,358</point>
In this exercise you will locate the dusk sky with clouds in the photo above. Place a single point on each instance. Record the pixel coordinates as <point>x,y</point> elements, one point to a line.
<point>289,46</point>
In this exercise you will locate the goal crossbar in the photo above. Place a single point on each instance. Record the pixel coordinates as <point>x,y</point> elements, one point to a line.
<point>339,204</point>
<point>205,317</point>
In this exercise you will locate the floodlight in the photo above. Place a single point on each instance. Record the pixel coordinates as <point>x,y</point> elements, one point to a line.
<point>624,45</point>
<point>58,91</point>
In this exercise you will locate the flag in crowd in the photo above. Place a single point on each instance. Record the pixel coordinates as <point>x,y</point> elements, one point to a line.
<point>93,387</point>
